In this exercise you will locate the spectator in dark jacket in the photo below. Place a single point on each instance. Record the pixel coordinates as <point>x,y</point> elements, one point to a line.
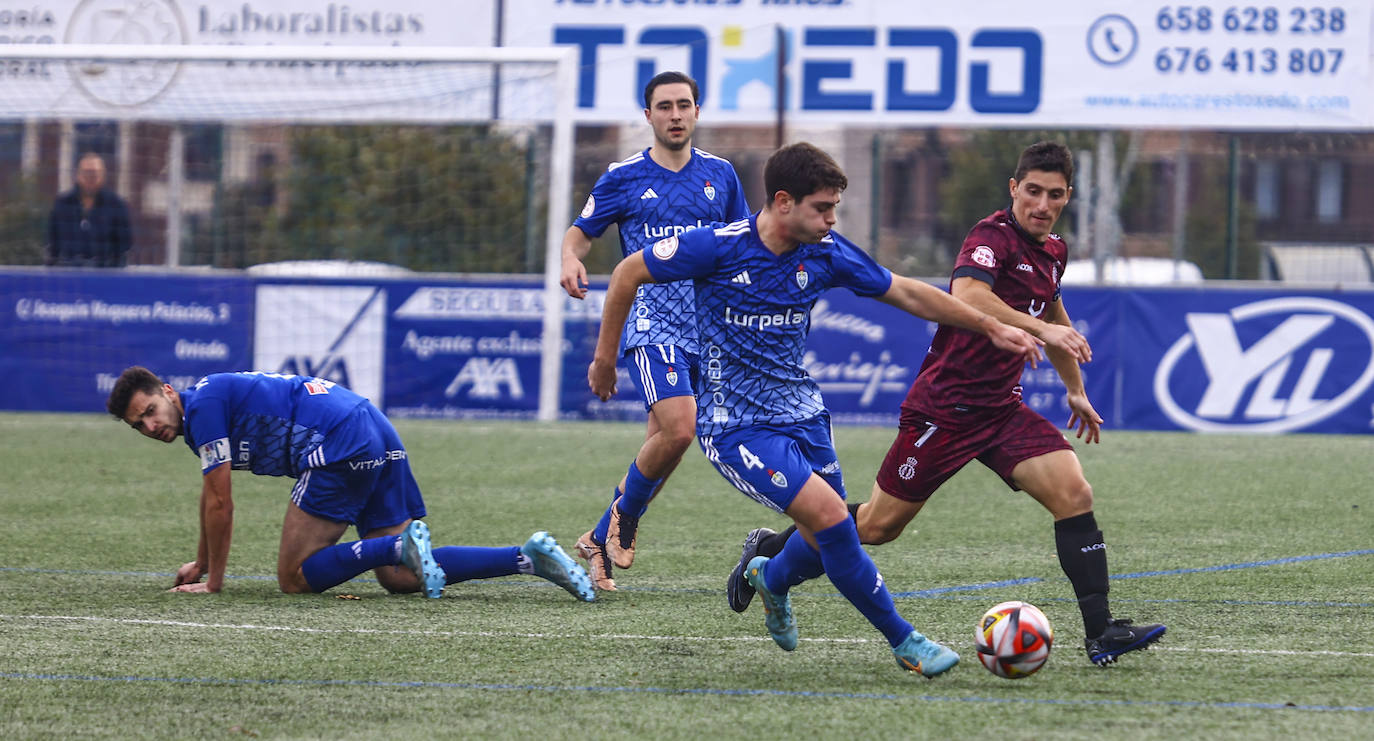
<point>89,224</point>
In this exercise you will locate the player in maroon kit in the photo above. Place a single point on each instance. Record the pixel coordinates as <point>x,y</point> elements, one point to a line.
<point>966,403</point>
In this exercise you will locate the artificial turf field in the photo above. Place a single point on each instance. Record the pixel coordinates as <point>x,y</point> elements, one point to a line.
<point>1258,552</point>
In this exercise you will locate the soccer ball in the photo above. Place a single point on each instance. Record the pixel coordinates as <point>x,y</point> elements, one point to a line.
<point>1014,639</point>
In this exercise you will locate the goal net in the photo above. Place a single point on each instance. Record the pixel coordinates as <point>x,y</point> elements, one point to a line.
<point>431,159</point>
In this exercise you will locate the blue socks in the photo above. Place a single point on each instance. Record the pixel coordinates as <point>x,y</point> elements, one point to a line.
<point>638,491</point>
<point>329,567</point>
<point>603,525</point>
<point>795,563</point>
<point>462,562</point>
<point>850,570</point>
<point>338,563</point>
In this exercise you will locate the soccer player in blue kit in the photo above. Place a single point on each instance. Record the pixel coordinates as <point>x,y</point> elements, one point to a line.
<point>761,420</point>
<point>656,193</point>
<point>350,468</point>
<point>965,404</point>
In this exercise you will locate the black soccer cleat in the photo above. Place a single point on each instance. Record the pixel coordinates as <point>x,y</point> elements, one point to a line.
<point>1119,638</point>
<point>738,590</point>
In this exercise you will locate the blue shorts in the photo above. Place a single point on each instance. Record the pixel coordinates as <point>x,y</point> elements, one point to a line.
<point>771,463</point>
<point>661,372</point>
<point>371,490</point>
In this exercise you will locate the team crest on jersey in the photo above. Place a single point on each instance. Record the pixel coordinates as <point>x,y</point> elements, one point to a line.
<point>665,248</point>
<point>671,376</point>
<point>907,470</point>
<point>778,479</point>
<point>982,254</point>
<point>710,191</point>
<point>803,277</point>
<point>589,207</point>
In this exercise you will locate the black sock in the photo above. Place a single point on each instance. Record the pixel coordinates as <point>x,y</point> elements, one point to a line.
<point>1083,557</point>
<point>772,545</point>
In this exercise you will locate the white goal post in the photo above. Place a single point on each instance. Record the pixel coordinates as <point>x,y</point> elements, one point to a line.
<point>155,82</point>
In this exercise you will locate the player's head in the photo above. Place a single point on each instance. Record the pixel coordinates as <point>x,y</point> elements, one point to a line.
<point>146,404</point>
<point>803,185</point>
<point>1041,187</point>
<point>670,107</point>
<point>90,173</point>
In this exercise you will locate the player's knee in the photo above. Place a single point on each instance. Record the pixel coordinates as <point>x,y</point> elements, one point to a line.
<point>679,437</point>
<point>396,581</point>
<point>1077,499</point>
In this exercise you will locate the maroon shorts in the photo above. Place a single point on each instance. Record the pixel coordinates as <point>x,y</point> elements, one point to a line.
<point>925,455</point>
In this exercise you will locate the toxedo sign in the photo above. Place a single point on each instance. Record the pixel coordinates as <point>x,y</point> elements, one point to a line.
<point>982,62</point>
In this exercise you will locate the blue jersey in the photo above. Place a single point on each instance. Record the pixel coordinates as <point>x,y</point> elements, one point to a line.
<point>650,202</point>
<point>754,312</point>
<point>270,424</point>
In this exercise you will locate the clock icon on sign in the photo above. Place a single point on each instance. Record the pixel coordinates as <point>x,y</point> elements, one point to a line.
<point>1112,40</point>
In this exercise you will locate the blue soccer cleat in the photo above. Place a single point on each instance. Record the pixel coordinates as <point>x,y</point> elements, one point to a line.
<point>417,556</point>
<point>1121,637</point>
<point>920,654</point>
<point>552,563</point>
<point>777,611</point>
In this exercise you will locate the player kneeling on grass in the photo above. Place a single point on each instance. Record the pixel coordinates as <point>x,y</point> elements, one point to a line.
<point>350,469</point>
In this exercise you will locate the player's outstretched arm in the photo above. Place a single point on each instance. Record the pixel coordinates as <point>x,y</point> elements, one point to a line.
<point>1082,416</point>
<point>620,296</point>
<point>980,296</point>
<point>217,526</point>
<point>928,302</point>
<point>576,245</point>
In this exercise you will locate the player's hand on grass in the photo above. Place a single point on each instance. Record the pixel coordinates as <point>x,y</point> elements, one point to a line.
<point>193,588</point>
<point>1069,340</point>
<point>601,379</point>
<point>189,573</point>
<point>574,277</point>
<point>1084,418</point>
<point>1017,341</point>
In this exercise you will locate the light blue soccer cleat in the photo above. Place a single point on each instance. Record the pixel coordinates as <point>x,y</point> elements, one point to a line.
<point>777,611</point>
<point>920,654</point>
<point>552,563</point>
<point>417,555</point>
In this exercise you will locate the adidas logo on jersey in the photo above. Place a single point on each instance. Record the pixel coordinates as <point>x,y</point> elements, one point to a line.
<point>742,279</point>
<point>648,193</point>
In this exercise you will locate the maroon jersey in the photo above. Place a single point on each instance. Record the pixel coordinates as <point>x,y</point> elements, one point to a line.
<point>964,368</point>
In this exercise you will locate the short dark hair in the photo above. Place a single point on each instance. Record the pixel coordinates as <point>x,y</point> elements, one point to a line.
<point>668,78</point>
<point>801,169</point>
<point>1046,156</point>
<point>134,379</point>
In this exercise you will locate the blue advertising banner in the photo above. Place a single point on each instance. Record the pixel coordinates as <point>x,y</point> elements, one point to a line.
<point>1212,359</point>
<point>472,350</point>
<point>65,335</point>
<point>1243,361</point>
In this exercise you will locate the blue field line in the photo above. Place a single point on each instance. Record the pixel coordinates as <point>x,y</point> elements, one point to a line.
<point>689,691</point>
<point>1246,565</point>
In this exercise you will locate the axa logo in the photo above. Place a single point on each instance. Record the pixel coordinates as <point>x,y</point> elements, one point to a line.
<point>490,378</point>
<point>1271,366</point>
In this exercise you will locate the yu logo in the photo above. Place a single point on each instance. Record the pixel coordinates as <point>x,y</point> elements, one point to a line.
<point>1313,358</point>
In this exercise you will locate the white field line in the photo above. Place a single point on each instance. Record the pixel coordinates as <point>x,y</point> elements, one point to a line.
<point>580,636</point>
